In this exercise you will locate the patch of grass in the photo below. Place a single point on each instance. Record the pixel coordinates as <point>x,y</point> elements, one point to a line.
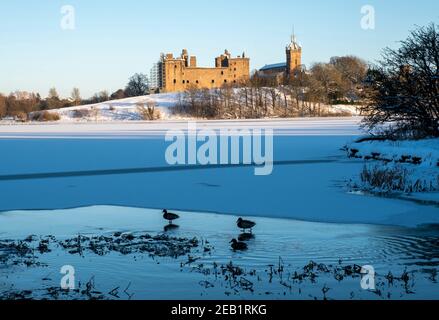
<point>395,179</point>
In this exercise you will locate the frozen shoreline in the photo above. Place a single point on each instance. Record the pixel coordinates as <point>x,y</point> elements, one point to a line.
<point>129,248</point>
<point>132,129</point>
<point>416,161</point>
<point>422,152</point>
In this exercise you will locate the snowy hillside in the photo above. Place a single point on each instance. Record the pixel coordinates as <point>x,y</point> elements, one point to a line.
<point>120,110</point>
<point>126,109</point>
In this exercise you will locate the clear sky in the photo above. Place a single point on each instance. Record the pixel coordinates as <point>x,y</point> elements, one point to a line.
<point>114,39</point>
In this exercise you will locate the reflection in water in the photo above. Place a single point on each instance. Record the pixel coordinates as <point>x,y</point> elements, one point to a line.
<point>246,237</point>
<point>170,227</point>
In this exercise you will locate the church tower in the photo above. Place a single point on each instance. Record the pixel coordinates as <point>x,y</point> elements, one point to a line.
<point>294,56</point>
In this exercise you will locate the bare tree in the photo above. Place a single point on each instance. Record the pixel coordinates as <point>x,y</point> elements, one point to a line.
<point>191,99</point>
<point>53,94</point>
<point>297,87</point>
<point>53,100</point>
<point>352,69</point>
<point>285,97</point>
<point>273,92</point>
<point>404,86</point>
<point>3,106</point>
<point>331,81</point>
<point>76,97</point>
<point>104,96</point>
<point>209,103</point>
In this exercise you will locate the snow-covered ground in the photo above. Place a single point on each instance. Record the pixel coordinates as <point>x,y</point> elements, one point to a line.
<point>123,109</point>
<point>344,108</point>
<point>422,152</point>
<point>126,109</point>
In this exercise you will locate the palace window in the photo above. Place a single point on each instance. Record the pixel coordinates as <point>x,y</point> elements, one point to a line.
<point>175,80</point>
<point>213,81</point>
<point>184,81</point>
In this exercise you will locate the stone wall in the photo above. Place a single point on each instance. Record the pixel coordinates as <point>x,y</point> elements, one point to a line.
<point>179,74</point>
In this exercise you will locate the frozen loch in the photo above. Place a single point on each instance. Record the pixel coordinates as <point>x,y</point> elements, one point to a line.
<point>90,196</point>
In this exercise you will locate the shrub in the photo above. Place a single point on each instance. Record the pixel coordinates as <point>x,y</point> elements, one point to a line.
<point>148,112</point>
<point>385,178</point>
<point>45,116</point>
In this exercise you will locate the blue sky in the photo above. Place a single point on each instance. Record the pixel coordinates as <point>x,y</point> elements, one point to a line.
<point>114,39</point>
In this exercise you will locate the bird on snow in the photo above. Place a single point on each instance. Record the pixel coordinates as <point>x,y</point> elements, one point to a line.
<point>238,246</point>
<point>245,224</point>
<point>170,216</point>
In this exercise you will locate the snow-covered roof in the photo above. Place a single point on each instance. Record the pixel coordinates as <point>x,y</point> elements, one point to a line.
<point>274,66</point>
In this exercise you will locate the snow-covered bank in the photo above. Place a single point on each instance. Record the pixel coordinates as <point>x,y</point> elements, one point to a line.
<point>421,152</point>
<point>405,168</point>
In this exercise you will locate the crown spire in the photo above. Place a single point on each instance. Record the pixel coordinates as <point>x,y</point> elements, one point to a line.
<point>294,44</point>
<point>293,36</point>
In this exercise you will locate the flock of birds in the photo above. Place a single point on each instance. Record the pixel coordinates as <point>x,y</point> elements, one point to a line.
<point>236,245</point>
